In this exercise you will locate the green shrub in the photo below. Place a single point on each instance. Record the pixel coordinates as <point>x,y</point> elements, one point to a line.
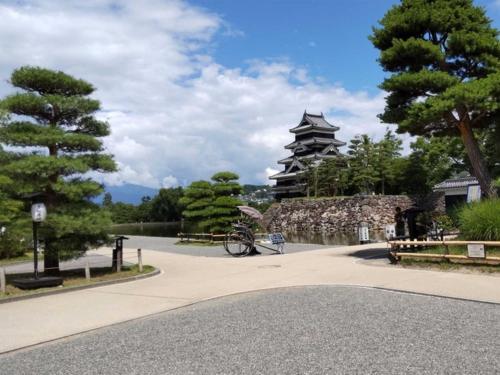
<point>445,222</point>
<point>13,243</point>
<point>480,221</point>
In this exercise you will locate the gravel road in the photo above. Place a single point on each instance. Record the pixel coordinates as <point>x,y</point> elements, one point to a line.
<point>306,330</point>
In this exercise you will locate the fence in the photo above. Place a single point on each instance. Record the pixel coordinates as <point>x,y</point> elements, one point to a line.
<point>396,252</point>
<point>207,237</point>
<point>87,264</point>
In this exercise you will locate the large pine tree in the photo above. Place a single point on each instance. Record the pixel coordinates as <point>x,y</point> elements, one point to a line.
<point>444,57</point>
<point>54,142</point>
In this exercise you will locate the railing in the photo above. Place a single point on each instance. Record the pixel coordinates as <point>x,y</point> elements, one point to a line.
<point>396,252</point>
<point>206,237</point>
<point>88,263</point>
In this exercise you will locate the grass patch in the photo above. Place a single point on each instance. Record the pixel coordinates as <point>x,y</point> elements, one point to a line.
<point>23,258</point>
<point>458,250</point>
<point>439,265</point>
<point>74,278</point>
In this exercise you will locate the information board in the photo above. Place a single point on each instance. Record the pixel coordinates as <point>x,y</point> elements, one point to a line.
<point>473,193</point>
<point>276,238</point>
<point>476,251</point>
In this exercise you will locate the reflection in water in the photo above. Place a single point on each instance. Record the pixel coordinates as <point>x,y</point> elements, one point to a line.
<point>171,229</point>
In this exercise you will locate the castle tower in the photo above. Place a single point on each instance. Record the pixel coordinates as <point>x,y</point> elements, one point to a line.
<point>314,142</point>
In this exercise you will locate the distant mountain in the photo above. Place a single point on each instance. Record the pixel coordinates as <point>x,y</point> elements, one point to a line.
<point>127,193</point>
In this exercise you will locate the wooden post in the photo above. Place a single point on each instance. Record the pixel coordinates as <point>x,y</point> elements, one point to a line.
<point>87,270</point>
<point>118,263</point>
<point>139,259</point>
<point>3,285</point>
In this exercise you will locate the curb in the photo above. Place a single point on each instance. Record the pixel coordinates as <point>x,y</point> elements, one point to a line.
<point>155,272</point>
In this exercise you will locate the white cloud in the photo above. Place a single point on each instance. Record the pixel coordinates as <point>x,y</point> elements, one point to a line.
<point>173,110</point>
<point>169,182</point>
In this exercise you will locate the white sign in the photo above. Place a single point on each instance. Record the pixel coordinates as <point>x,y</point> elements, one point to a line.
<point>38,212</point>
<point>475,251</point>
<point>473,193</point>
<point>390,231</point>
<point>276,238</point>
<point>363,233</point>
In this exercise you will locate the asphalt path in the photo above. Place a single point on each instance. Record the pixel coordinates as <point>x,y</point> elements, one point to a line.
<point>168,244</point>
<point>302,330</point>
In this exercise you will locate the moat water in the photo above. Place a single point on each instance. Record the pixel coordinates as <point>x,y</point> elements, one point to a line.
<point>171,229</point>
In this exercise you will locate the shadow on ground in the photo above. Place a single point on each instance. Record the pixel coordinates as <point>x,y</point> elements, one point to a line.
<point>370,254</point>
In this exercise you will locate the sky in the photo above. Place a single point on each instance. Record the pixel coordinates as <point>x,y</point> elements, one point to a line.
<point>191,88</point>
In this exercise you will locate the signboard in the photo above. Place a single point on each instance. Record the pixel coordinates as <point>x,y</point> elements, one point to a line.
<point>276,238</point>
<point>363,233</point>
<point>390,231</point>
<point>473,193</point>
<point>38,212</point>
<point>475,251</point>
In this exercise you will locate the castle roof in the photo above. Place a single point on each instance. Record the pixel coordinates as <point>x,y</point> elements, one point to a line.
<point>310,121</point>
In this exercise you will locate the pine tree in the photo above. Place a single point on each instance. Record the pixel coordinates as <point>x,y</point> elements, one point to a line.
<point>332,176</point>
<point>224,211</point>
<point>387,150</point>
<point>197,199</point>
<point>444,57</point>
<point>57,141</point>
<point>362,160</point>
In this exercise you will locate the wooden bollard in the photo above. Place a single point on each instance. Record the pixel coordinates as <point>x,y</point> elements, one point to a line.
<point>3,284</point>
<point>87,270</point>
<point>139,259</point>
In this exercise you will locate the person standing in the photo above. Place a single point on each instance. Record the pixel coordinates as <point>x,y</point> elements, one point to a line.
<point>400,222</point>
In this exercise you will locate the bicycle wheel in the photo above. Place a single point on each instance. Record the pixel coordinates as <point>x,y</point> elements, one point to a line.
<point>238,243</point>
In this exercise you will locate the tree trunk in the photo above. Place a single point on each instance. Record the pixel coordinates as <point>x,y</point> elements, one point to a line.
<point>476,160</point>
<point>51,262</point>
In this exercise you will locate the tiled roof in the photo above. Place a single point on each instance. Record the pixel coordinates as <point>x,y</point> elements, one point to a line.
<point>316,140</point>
<point>454,183</point>
<point>310,120</point>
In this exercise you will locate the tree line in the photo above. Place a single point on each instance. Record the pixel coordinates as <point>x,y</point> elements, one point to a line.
<point>378,167</point>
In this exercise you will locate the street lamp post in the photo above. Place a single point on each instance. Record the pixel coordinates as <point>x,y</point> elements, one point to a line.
<point>38,214</point>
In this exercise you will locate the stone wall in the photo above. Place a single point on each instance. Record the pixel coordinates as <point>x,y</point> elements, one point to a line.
<point>343,214</point>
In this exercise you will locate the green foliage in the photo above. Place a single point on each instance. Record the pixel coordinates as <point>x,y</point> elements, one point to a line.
<point>15,240</point>
<point>166,205</point>
<point>223,209</point>
<point>213,206</point>
<point>362,163</point>
<point>333,176</point>
<point>198,199</point>
<point>445,222</point>
<point>122,213</point>
<point>444,57</point>
<point>54,116</point>
<point>261,207</point>
<point>107,200</point>
<point>386,152</point>
<point>481,221</point>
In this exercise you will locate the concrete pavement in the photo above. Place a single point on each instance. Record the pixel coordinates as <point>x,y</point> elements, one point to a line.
<point>300,330</point>
<point>187,279</point>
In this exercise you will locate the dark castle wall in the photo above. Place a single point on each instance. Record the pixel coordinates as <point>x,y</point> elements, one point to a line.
<point>343,214</point>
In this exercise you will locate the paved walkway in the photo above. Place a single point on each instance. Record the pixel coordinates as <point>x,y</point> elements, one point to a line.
<point>187,279</point>
<point>300,330</point>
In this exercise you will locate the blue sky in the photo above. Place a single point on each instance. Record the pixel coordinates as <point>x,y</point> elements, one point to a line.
<point>327,37</point>
<point>193,87</point>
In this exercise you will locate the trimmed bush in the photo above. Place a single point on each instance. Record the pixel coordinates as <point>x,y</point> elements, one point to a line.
<point>480,221</point>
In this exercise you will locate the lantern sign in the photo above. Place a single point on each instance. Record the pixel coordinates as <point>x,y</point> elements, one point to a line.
<point>38,212</point>
<point>390,231</point>
<point>363,233</point>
